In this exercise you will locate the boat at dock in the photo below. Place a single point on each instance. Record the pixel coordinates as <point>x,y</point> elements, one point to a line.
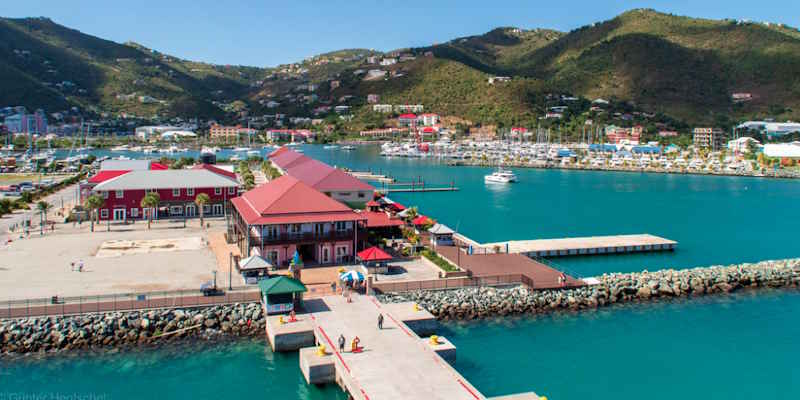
<point>500,176</point>
<point>348,147</point>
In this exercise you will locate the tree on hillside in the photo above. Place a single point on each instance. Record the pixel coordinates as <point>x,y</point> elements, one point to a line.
<point>201,200</point>
<point>93,204</point>
<point>151,201</point>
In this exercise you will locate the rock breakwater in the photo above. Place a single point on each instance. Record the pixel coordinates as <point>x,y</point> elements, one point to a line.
<point>470,303</point>
<point>132,328</point>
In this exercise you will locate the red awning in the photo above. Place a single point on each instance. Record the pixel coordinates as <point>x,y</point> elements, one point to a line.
<point>374,254</point>
<point>421,220</point>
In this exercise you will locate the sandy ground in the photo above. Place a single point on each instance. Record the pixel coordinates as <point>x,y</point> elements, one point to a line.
<point>39,267</point>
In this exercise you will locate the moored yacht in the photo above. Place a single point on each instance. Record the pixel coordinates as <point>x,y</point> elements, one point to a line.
<point>500,176</point>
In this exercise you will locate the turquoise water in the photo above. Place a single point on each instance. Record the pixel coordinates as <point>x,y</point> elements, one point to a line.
<point>246,369</point>
<point>739,346</point>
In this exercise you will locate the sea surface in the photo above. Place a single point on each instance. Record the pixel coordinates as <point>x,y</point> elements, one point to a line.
<point>739,346</point>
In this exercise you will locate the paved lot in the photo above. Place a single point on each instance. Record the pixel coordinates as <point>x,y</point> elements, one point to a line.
<point>39,267</point>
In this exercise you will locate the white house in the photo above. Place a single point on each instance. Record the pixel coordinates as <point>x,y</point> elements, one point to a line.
<point>742,144</point>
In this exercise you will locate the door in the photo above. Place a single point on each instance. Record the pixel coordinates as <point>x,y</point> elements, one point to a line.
<point>190,210</point>
<point>326,257</point>
<point>217,209</point>
<point>119,214</point>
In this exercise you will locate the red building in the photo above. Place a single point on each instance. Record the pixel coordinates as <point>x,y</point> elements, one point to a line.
<point>177,190</point>
<point>286,215</point>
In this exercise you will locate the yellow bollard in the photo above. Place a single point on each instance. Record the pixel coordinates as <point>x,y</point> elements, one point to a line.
<point>416,307</point>
<point>280,320</point>
<point>321,350</point>
<point>434,339</point>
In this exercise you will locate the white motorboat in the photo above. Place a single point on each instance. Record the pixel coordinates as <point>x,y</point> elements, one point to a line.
<point>500,176</point>
<point>330,147</point>
<point>348,147</point>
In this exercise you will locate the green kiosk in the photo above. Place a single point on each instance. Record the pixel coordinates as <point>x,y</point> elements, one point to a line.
<point>281,294</point>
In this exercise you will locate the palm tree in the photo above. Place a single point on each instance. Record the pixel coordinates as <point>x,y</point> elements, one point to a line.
<point>150,200</point>
<point>412,213</point>
<point>94,203</point>
<point>201,200</point>
<point>43,207</point>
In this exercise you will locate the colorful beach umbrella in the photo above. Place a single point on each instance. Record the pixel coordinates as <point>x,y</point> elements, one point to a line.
<point>351,276</point>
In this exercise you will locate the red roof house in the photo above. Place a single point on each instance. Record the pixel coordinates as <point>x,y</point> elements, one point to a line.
<point>286,215</point>
<point>379,219</point>
<point>103,176</point>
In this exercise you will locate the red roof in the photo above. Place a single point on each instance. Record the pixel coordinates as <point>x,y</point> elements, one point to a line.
<point>287,200</point>
<point>397,206</point>
<point>379,219</point>
<point>408,116</point>
<point>216,170</point>
<point>428,129</point>
<point>373,254</point>
<point>103,176</point>
<point>157,166</point>
<point>421,220</point>
<point>317,174</point>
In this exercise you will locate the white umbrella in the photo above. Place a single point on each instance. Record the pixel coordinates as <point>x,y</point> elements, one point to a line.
<point>351,276</point>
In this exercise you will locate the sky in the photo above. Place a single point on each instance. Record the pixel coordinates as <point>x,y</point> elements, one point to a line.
<point>268,33</point>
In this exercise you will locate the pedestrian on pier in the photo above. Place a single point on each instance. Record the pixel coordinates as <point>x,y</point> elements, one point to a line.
<point>342,341</point>
<point>380,321</point>
<point>333,287</point>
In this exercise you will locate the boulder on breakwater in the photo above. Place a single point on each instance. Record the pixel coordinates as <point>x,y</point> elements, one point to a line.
<point>470,303</point>
<point>119,329</point>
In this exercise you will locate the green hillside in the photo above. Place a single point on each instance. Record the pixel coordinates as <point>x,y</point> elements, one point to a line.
<point>43,64</point>
<point>682,66</point>
<point>682,69</point>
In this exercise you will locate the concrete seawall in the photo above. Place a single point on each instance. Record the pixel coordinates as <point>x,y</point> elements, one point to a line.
<point>471,303</point>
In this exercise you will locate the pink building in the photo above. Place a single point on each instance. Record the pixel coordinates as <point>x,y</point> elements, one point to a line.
<point>286,215</point>
<point>177,190</point>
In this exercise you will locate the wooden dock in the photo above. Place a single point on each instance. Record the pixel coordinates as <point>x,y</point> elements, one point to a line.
<point>369,176</point>
<point>583,245</point>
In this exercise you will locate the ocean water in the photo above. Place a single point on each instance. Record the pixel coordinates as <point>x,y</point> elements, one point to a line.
<point>738,346</point>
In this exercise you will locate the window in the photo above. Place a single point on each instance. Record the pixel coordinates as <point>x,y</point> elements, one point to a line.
<point>104,212</point>
<point>217,191</point>
<point>271,231</point>
<point>206,209</point>
<point>272,257</point>
<point>217,209</point>
<point>294,228</point>
<point>231,190</point>
<point>176,192</point>
<point>134,212</point>
<point>361,195</point>
<point>190,192</point>
<point>341,225</point>
<point>176,210</point>
<point>105,195</point>
<point>344,194</point>
<point>118,194</point>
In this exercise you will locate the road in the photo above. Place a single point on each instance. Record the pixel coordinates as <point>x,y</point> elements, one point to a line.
<point>64,196</point>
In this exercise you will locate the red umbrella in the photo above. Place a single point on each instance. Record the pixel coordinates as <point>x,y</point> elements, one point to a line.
<point>373,254</point>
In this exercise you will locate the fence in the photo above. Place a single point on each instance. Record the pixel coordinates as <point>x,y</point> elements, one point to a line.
<point>123,302</point>
<point>453,283</point>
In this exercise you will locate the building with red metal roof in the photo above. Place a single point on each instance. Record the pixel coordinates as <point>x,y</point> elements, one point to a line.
<point>287,215</point>
<point>332,181</point>
<point>216,170</point>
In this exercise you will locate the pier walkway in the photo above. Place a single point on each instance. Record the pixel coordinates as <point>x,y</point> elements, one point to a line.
<point>395,362</point>
<point>577,246</point>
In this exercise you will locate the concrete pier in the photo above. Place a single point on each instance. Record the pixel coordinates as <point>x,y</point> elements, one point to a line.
<point>316,368</point>
<point>584,245</point>
<point>289,336</point>
<point>443,347</point>
<point>393,362</point>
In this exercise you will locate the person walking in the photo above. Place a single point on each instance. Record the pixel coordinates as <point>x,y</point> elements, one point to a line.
<point>380,321</point>
<point>333,287</point>
<point>342,341</point>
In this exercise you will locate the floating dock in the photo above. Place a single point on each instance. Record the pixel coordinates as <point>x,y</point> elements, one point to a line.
<point>584,245</point>
<point>369,176</point>
<point>419,189</point>
<point>394,362</point>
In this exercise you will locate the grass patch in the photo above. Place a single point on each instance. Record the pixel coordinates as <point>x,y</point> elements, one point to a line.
<point>438,260</point>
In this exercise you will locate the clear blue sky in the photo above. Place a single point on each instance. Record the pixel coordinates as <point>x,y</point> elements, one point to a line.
<point>268,33</point>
